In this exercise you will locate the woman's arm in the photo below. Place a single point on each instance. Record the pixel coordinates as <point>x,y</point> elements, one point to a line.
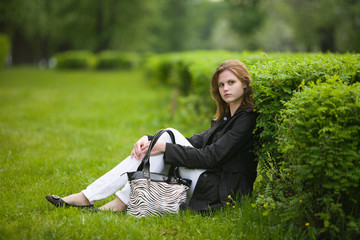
<point>196,141</point>
<point>142,146</point>
<point>238,138</point>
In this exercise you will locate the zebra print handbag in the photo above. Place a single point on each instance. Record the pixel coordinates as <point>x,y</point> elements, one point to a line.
<point>155,193</point>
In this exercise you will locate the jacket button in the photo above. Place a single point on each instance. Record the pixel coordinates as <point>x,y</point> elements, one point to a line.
<point>205,175</point>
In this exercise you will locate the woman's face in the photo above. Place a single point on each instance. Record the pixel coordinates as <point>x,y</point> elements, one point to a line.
<point>231,88</point>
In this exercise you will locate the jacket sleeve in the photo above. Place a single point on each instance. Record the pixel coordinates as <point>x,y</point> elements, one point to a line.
<point>235,139</point>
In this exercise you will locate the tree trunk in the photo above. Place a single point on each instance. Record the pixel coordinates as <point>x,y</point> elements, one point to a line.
<point>22,51</point>
<point>327,39</point>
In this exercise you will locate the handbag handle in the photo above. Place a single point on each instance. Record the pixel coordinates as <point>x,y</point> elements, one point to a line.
<point>145,164</point>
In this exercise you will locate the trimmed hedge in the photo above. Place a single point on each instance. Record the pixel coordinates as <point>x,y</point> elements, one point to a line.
<point>75,60</point>
<point>321,144</point>
<point>5,48</point>
<point>105,60</point>
<point>117,60</point>
<point>275,81</point>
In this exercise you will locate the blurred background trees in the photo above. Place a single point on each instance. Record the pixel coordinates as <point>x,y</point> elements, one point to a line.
<point>39,28</point>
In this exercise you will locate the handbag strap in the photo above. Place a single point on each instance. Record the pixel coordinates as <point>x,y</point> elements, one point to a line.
<point>145,164</point>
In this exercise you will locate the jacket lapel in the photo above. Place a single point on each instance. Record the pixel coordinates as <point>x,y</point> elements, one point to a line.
<point>223,125</point>
<point>212,131</point>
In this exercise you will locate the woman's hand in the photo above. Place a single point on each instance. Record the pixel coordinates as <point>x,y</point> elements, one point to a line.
<point>139,146</point>
<point>142,146</point>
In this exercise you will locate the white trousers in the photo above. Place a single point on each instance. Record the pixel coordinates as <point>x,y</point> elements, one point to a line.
<point>116,179</point>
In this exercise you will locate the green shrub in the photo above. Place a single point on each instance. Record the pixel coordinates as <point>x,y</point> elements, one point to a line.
<point>117,60</point>
<point>160,69</point>
<point>5,47</point>
<point>320,137</point>
<point>79,59</point>
<point>275,80</point>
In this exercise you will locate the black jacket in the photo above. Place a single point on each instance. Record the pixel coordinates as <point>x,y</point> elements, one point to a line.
<point>225,149</point>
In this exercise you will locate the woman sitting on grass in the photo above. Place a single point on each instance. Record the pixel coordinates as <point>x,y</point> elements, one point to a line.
<point>219,161</point>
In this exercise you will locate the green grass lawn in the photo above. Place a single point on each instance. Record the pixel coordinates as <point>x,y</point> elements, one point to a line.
<point>60,130</point>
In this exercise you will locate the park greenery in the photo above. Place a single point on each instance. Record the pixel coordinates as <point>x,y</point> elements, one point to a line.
<point>113,70</point>
<point>62,129</point>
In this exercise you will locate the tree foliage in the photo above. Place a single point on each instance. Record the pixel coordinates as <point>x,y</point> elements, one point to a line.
<point>40,28</point>
<point>326,25</point>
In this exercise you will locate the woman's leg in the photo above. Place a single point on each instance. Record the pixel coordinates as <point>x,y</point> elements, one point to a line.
<point>111,181</point>
<point>106,185</point>
<point>116,178</point>
<point>120,203</point>
<point>157,165</point>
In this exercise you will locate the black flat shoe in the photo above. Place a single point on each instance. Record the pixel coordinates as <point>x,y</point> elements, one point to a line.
<point>58,202</point>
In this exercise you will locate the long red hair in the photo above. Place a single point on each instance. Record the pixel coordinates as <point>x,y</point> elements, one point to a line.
<point>239,70</point>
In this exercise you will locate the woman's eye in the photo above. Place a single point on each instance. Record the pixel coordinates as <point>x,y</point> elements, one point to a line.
<point>231,82</point>
<point>221,84</point>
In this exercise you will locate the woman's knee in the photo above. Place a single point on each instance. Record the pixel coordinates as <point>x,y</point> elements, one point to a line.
<point>166,136</point>
<point>177,134</point>
<point>180,138</point>
<point>172,129</point>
